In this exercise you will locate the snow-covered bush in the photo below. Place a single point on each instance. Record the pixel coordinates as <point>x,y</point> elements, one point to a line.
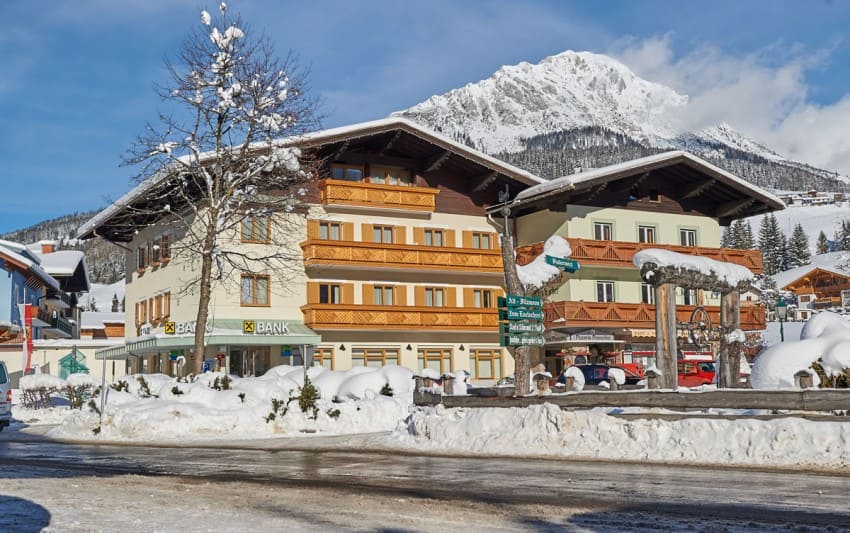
<point>40,391</point>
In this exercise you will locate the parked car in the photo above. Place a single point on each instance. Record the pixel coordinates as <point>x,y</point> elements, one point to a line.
<point>695,373</point>
<point>5,397</point>
<point>596,374</point>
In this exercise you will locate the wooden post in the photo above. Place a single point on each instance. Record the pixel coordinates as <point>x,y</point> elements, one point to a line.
<point>728,356</point>
<point>804,380</point>
<point>651,380</point>
<point>448,384</point>
<point>613,384</point>
<point>571,382</point>
<point>665,334</point>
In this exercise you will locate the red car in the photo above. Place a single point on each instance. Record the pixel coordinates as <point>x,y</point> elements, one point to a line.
<point>695,373</point>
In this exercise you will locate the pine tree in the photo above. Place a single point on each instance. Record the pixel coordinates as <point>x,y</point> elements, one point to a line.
<point>115,303</point>
<point>748,240</point>
<point>772,245</point>
<point>822,244</point>
<point>798,248</point>
<point>726,240</point>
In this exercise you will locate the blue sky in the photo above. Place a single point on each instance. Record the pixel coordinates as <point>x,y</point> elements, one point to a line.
<point>76,77</point>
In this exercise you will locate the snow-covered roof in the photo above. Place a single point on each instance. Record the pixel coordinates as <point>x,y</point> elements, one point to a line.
<point>830,262</point>
<point>67,264</point>
<point>99,319</point>
<point>17,254</point>
<point>327,136</point>
<point>597,176</point>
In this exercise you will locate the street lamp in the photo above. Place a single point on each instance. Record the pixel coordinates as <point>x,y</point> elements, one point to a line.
<point>781,314</point>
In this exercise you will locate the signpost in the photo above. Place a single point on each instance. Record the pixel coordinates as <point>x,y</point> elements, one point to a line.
<point>521,318</point>
<point>570,265</point>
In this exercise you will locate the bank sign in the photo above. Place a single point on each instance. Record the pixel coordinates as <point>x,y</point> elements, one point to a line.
<point>265,327</point>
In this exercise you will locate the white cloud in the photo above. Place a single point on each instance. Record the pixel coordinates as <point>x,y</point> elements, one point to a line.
<point>763,94</point>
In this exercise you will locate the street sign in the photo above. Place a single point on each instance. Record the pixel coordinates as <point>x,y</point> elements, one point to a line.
<point>521,327</point>
<point>523,340</point>
<point>520,314</point>
<point>515,300</point>
<point>570,265</point>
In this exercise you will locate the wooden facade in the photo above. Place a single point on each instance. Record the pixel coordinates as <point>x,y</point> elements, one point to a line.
<point>825,284</point>
<point>410,318</point>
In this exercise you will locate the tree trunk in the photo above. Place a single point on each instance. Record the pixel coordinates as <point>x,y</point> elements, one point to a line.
<point>197,357</point>
<point>665,335</point>
<point>728,355</point>
<point>521,354</point>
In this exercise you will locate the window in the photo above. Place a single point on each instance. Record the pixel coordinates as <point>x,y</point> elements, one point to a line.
<point>390,176</point>
<point>382,234</point>
<point>602,231</point>
<point>646,234</point>
<point>482,241</point>
<point>485,364</point>
<point>647,293</point>
<point>374,357</point>
<point>347,172</point>
<point>689,297</point>
<point>435,297</point>
<point>383,295</point>
<point>439,359</point>
<point>330,293</point>
<point>155,253</point>
<point>164,247</point>
<point>688,237</point>
<point>256,229</point>
<point>604,291</point>
<point>654,195</point>
<point>255,290</point>
<point>330,231</point>
<point>324,357</point>
<point>434,237</point>
<point>142,258</point>
<point>482,298</point>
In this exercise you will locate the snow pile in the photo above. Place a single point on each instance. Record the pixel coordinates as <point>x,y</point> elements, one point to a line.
<point>825,339</point>
<point>618,374</point>
<point>577,375</point>
<point>547,431</point>
<point>82,380</point>
<point>39,381</point>
<point>160,408</point>
<point>538,272</point>
<point>730,273</point>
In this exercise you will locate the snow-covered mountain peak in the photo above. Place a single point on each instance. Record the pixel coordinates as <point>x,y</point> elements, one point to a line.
<point>564,91</point>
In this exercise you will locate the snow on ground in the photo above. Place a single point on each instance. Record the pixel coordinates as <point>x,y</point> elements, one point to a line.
<point>814,218</point>
<point>791,330</point>
<point>351,402</point>
<point>548,431</point>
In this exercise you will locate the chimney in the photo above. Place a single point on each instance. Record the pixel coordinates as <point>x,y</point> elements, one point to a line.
<point>47,247</point>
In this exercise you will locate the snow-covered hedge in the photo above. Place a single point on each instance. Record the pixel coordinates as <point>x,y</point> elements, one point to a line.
<point>825,339</point>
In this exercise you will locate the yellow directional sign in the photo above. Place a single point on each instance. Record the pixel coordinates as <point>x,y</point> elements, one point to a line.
<point>247,326</point>
<point>170,328</point>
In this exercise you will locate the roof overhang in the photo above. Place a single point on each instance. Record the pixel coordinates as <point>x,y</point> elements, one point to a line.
<point>116,222</point>
<point>720,193</point>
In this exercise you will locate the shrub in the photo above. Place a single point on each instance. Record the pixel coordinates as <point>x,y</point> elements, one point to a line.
<point>120,385</point>
<point>242,396</point>
<point>386,390</point>
<point>334,413</point>
<point>278,408</point>
<point>144,388</point>
<point>175,390</point>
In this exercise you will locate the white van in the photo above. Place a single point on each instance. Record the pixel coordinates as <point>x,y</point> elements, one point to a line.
<point>5,397</point>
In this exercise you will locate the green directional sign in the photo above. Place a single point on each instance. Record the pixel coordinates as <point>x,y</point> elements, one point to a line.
<point>570,265</point>
<point>521,326</point>
<point>522,340</point>
<point>520,314</point>
<point>515,300</point>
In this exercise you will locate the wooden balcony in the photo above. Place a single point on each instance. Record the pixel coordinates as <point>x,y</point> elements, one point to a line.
<point>400,256</point>
<point>378,317</point>
<point>620,253</point>
<point>618,315</point>
<point>356,193</point>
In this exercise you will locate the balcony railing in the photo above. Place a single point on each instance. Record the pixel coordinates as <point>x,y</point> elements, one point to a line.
<point>635,316</point>
<point>375,195</point>
<point>54,322</point>
<point>349,253</point>
<point>827,303</point>
<point>369,317</point>
<point>620,253</point>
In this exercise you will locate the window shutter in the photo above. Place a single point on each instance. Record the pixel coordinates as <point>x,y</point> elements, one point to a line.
<point>419,236</point>
<point>450,238</point>
<point>451,297</point>
<point>166,305</point>
<point>367,233</point>
<point>419,293</point>
<point>347,290</point>
<point>347,229</point>
<point>467,239</point>
<point>312,292</point>
<point>368,294</point>
<point>312,229</point>
<point>400,295</point>
<point>468,297</point>
<point>400,235</point>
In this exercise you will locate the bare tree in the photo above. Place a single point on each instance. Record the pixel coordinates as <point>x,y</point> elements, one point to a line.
<point>223,161</point>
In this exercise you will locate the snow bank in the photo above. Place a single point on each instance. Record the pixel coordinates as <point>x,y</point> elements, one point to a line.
<point>825,338</point>
<point>38,381</point>
<point>547,431</point>
<point>538,272</point>
<point>80,380</point>
<point>618,374</point>
<point>730,273</point>
<point>577,375</point>
<point>177,411</point>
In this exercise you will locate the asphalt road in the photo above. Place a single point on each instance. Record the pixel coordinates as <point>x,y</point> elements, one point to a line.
<point>734,494</point>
